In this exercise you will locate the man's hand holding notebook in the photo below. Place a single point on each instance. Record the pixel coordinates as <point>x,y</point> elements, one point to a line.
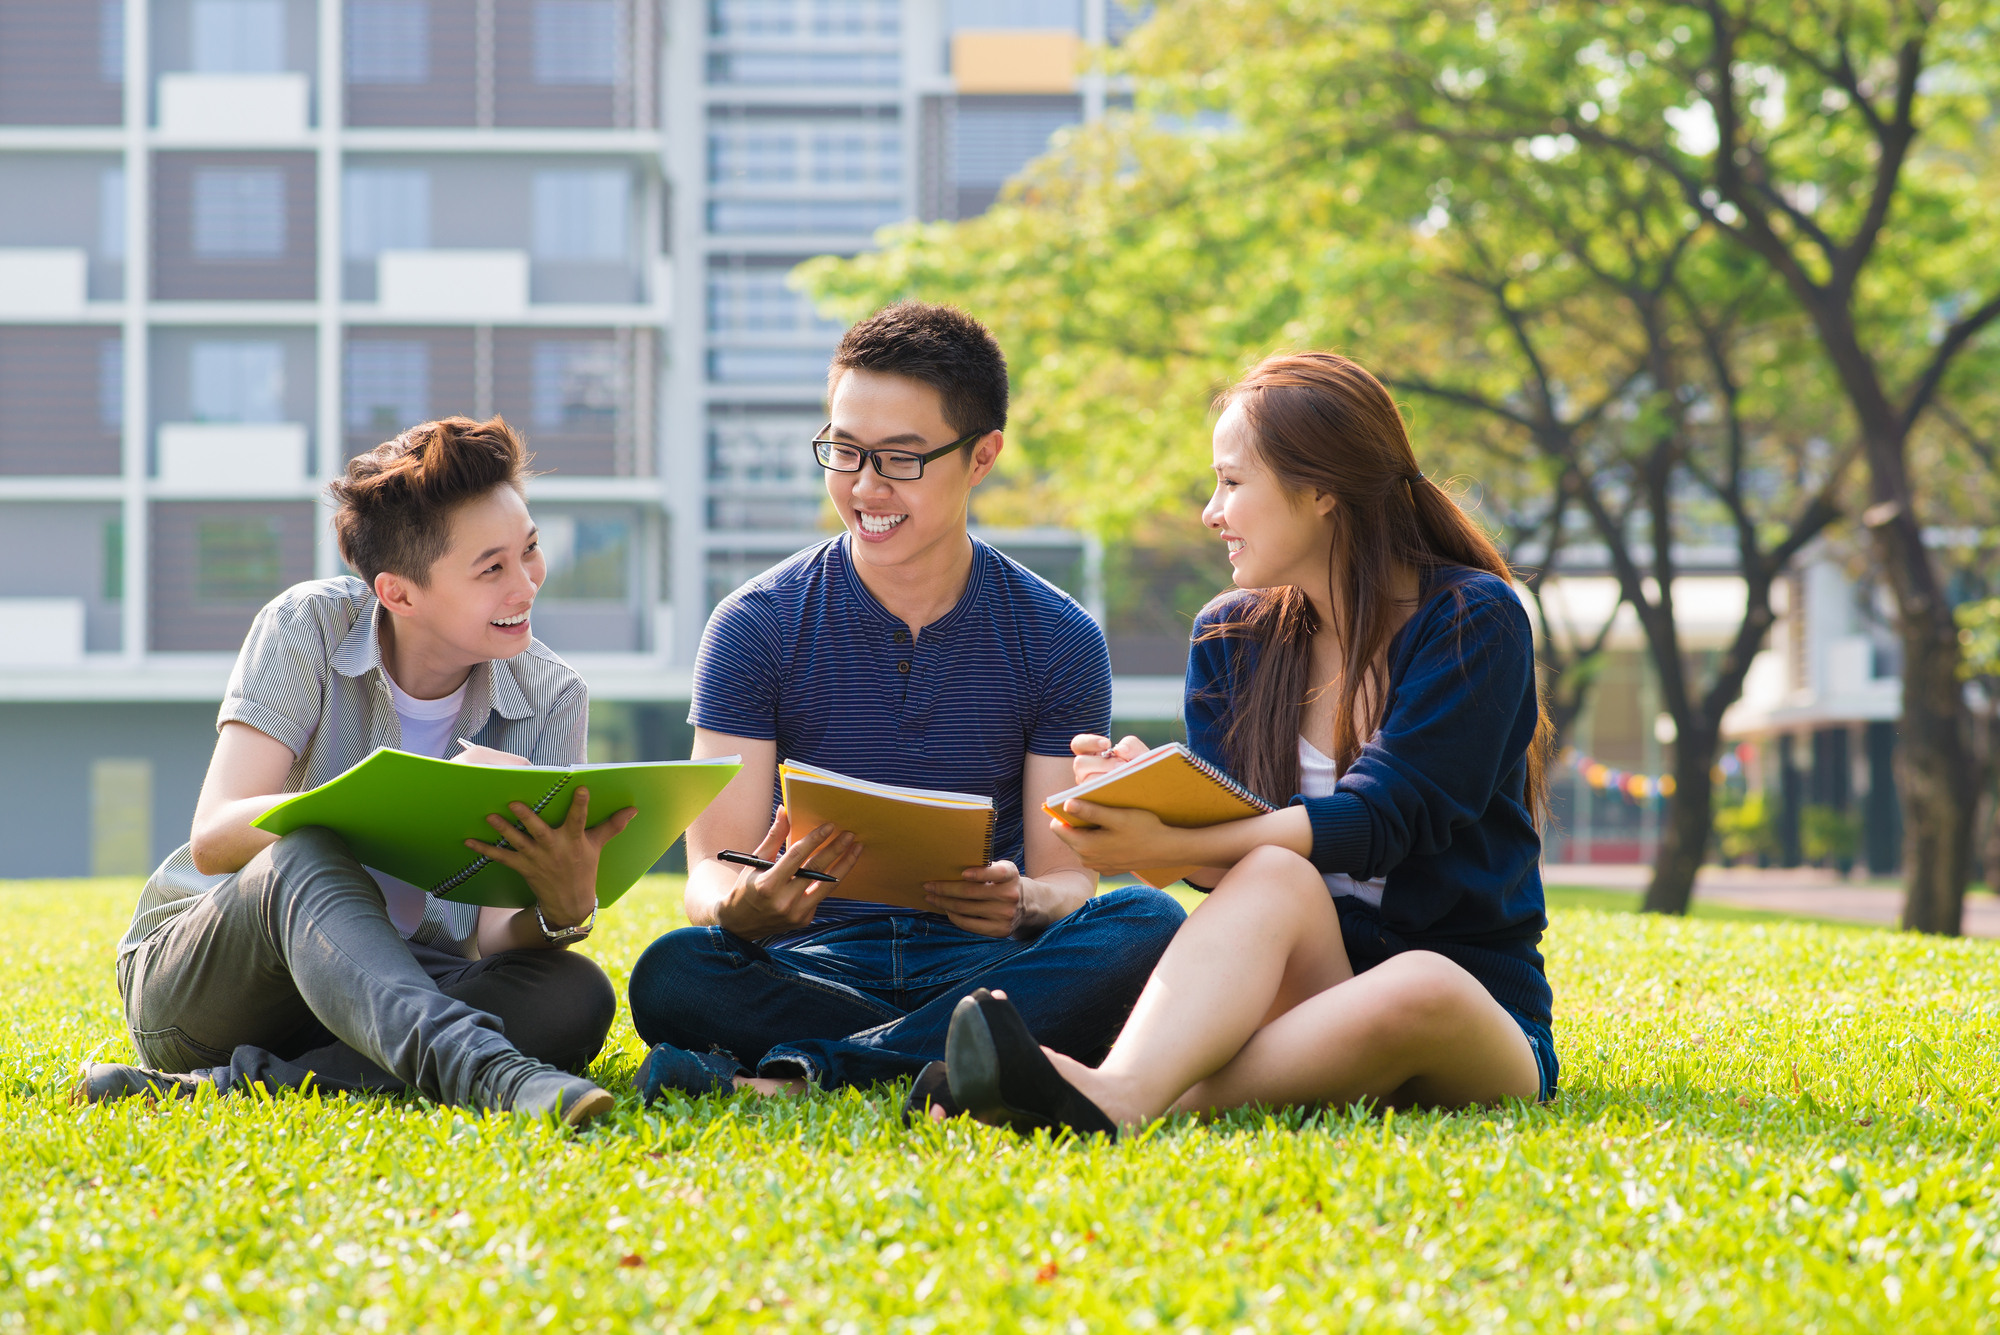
<point>908,835</point>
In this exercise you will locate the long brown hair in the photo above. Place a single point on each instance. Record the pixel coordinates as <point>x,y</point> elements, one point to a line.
<point>1323,423</point>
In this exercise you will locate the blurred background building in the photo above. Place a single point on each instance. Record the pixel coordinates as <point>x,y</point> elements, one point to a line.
<point>242,240</point>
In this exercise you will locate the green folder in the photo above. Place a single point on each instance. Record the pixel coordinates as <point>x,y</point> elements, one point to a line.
<point>410,816</point>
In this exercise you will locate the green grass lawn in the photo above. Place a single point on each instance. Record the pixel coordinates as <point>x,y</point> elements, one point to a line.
<point>1763,1125</point>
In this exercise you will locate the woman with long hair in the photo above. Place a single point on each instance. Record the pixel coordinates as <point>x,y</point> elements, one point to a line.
<point>1372,675</point>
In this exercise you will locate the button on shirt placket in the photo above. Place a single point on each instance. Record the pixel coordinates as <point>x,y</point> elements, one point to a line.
<point>902,651</point>
<point>919,687</point>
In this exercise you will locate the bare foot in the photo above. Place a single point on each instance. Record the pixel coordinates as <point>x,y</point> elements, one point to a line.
<point>1119,1097</point>
<point>769,1088</point>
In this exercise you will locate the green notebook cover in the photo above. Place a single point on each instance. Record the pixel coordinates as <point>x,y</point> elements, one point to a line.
<point>410,816</point>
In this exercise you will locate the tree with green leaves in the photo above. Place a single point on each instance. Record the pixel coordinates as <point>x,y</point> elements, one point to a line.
<point>1840,147</point>
<point>1588,346</point>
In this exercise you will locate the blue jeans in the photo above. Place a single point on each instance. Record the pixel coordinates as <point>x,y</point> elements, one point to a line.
<point>867,1001</point>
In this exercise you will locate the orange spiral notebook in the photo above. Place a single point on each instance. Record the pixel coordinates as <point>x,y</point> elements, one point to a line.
<point>908,835</point>
<point>1174,784</point>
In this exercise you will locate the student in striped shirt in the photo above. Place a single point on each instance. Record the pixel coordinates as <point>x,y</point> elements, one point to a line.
<point>903,651</point>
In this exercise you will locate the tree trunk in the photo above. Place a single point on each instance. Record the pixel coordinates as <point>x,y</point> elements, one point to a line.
<point>1936,774</point>
<point>1690,821</point>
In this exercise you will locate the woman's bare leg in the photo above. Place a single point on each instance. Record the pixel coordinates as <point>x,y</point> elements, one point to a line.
<point>1255,1002</point>
<point>1267,939</point>
<point>1415,1029</point>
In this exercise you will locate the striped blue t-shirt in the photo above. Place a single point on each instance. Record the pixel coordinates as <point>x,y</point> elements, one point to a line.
<point>804,656</point>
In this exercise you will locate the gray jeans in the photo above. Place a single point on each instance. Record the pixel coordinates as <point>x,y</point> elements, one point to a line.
<point>295,971</point>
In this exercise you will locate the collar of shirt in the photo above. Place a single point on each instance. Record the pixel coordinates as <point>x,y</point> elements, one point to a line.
<point>975,584</point>
<point>494,690</point>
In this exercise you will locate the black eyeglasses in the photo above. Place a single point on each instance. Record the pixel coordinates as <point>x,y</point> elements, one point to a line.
<point>838,456</point>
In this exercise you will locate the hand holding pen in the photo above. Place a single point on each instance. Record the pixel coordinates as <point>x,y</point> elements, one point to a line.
<point>781,886</point>
<point>1093,755</point>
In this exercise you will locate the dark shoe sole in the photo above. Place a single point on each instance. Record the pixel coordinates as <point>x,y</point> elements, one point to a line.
<point>980,1081</point>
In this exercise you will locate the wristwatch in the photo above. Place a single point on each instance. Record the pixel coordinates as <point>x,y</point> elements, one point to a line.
<point>555,934</point>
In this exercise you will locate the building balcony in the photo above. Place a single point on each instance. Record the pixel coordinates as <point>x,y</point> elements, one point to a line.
<point>234,108</point>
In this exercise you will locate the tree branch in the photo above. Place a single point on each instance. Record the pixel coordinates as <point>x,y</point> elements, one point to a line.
<point>1955,338</point>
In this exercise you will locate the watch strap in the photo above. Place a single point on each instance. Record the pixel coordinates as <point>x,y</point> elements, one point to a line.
<point>555,934</point>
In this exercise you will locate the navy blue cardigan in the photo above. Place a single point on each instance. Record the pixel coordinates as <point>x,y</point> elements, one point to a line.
<point>1436,801</point>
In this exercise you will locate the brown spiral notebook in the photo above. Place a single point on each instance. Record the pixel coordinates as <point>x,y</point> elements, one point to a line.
<point>908,835</point>
<point>1174,784</point>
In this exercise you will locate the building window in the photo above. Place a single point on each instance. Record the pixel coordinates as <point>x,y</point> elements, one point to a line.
<point>388,41</point>
<point>786,69</point>
<point>992,142</point>
<point>831,157</point>
<point>590,559</point>
<point>111,384</point>
<point>1016,14</point>
<point>823,18</point>
<point>857,158</point>
<point>856,18</point>
<point>388,385</point>
<point>582,215</point>
<point>384,208</point>
<point>113,539</point>
<point>763,450</point>
<point>111,41</point>
<point>237,381</point>
<point>579,384</point>
<point>111,213</point>
<point>237,36</point>
<point>239,213</point>
<point>237,560</point>
<point>753,18</point>
<point>751,158</point>
<point>757,301</point>
<point>794,217</point>
<point>576,42</point>
<point>764,366</point>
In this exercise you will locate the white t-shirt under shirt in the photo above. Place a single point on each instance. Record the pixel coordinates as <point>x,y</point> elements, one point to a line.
<point>1316,779</point>
<point>426,732</point>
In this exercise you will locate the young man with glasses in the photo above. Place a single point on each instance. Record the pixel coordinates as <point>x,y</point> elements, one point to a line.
<point>904,651</point>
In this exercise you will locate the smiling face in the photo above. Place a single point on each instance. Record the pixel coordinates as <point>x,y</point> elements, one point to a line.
<point>474,606</point>
<point>1277,535</point>
<point>892,522</point>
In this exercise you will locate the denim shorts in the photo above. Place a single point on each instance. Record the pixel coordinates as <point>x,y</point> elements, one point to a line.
<point>1543,1044</point>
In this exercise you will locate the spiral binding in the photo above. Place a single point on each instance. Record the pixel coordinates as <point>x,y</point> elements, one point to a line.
<point>481,862</point>
<point>1234,787</point>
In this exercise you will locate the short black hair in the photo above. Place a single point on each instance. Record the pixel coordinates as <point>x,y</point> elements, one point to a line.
<point>940,346</point>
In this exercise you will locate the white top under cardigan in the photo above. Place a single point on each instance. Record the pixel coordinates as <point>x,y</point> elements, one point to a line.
<point>1316,779</point>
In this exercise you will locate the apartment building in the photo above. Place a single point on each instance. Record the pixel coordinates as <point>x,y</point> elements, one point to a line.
<point>242,240</point>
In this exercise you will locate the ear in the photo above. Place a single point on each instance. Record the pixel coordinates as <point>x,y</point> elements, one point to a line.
<point>1323,503</point>
<point>985,454</point>
<point>396,594</point>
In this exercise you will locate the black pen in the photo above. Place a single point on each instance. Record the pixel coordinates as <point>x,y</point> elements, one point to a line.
<point>748,860</point>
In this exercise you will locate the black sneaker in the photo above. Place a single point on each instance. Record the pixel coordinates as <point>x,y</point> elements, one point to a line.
<point>105,1082</point>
